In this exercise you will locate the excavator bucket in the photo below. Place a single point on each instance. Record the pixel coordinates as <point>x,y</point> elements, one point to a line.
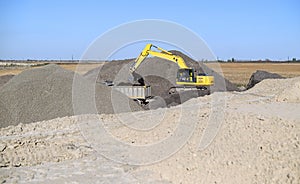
<point>136,79</point>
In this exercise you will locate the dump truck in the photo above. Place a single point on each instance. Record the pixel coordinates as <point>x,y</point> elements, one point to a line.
<point>141,94</point>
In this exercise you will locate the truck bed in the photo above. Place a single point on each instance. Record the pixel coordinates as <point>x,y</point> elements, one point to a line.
<point>135,92</point>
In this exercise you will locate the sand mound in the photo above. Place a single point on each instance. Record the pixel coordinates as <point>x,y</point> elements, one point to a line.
<point>29,148</point>
<point>259,76</point>
<point>46,93</point>
<point>257,142</point>
<point>291,94</point>
<point>282,90</point>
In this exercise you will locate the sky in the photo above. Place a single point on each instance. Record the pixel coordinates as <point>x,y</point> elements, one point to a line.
<point>64,29</point>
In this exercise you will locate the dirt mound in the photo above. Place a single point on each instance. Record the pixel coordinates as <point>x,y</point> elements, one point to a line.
<point>260,75</point>
<point>290,94</point>
<point>46,93</point>
<point>4,79</point>
<point>160,74</point>
<point>280,90</point>
<point>257,142</point>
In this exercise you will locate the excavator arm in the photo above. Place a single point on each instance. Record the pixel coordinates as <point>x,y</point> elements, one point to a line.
<point>186,76</point>
<point>163,54</point>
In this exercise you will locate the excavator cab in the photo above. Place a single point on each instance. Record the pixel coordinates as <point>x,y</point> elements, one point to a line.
<point>185,75</point>
<point>188,77</point>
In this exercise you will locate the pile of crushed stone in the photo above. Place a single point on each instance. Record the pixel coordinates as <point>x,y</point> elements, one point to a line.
<point>108,71</point>
<point>261,75</point>
<point>161,75</point>
<point>46,93</point>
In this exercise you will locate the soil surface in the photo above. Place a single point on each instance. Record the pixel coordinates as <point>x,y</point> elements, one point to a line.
<point>256,141</point>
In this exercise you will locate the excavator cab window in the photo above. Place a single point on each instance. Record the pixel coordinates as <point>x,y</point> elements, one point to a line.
<point>192,75</point>
<point>185,75</point>
<point>202,74</point>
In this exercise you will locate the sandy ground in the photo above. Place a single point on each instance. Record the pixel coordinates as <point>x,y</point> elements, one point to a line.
<point>227,137</point>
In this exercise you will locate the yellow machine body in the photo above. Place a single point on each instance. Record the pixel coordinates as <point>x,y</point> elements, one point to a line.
<point>186,77</point>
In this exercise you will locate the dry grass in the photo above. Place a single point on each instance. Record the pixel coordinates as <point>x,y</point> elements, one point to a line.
<point>239,73</point>
<point>81,68</point>
<point>11,71</point>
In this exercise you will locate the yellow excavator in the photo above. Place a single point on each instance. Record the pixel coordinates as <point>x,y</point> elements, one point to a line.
<point>186,77</point>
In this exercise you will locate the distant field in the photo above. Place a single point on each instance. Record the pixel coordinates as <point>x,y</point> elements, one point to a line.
<point>81,68</point>
<point>238,73</point>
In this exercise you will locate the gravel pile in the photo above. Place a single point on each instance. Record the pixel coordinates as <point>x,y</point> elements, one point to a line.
<point>46,93</point>
<point>260,75</point>
<point>161,75</point>
<point>108,71</point>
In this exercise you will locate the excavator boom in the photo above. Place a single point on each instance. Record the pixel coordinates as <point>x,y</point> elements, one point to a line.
<point>185,75</point>
<point>163,54</point>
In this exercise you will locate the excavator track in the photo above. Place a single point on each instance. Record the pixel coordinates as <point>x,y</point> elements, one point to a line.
<point>179,89</point>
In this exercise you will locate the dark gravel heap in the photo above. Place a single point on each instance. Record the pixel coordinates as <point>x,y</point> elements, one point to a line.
<point>160,74</point>
<point>260,75</point>
<point>108,71</point>
<point>46,93</point>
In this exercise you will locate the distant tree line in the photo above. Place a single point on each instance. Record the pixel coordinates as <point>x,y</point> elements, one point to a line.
<point>233,60</point>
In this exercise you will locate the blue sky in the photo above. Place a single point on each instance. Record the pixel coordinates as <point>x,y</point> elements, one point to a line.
<point>59,29</point>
